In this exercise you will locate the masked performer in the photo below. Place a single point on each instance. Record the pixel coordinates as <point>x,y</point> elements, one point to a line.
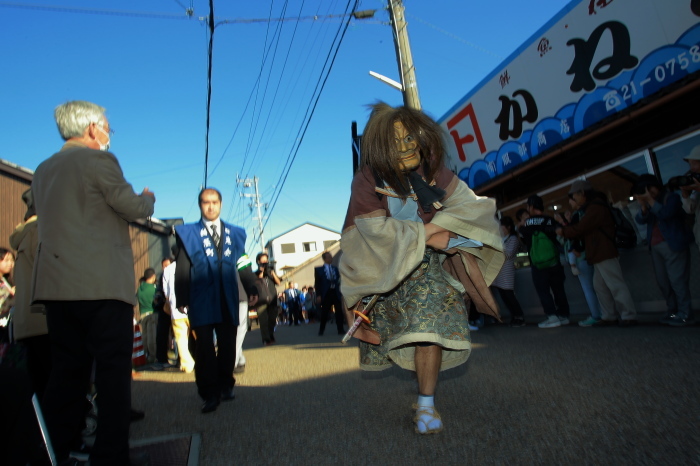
<point>421,239</point>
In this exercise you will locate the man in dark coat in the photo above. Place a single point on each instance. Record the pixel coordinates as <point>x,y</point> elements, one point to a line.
<point>328,295</point>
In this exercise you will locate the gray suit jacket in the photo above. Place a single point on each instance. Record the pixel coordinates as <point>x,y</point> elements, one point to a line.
<point>84,206</point>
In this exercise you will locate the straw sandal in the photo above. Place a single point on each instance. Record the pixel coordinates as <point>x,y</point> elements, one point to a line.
<point>425,420</point>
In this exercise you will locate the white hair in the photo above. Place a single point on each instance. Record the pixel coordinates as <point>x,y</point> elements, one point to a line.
<point>73,118</point>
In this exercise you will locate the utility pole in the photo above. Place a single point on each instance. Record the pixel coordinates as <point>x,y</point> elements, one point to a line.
<point>403,55</point>
<point>247,182</point>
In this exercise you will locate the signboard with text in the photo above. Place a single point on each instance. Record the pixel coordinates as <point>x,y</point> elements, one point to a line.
<point>592,60</point>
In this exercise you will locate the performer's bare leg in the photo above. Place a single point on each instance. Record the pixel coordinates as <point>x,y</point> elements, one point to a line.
<point>428,360</point>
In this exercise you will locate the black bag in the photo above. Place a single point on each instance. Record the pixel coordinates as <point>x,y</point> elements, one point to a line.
<point>625,236</point>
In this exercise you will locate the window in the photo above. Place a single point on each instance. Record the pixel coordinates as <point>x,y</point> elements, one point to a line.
<point>308,247</point>
<point>669,157</point>
<point>328,244</point>
<point>288,248</point>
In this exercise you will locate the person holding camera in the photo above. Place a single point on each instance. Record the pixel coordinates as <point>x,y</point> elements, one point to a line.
<point>669,242</point>
<point>690,191</point>
<point>267,301</point>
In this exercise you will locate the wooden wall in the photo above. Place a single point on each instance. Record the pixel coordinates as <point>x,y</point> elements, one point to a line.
<point>12,209</point>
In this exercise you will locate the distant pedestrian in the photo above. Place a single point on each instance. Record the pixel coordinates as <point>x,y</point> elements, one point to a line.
<point>327,285</point>
<point>148,319</point>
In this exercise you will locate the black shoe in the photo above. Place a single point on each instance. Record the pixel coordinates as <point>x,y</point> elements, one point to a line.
<point>139,459</point>
<point>239,369</point>
<point>517,322</point>
<point>320,334</point>
<point>627,323</point>
<point>136,415</point>
<point>604,323</point>
<point>210,405</point>
<point>227,394</point>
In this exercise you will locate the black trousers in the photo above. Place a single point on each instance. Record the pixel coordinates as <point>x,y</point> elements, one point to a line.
<point>511,302</point>
<point>551,278</point>
<point>213,370</point>
<point>163,336</point>
<point>331,299</point>
<point>267,318</point>
<point>82,332</point>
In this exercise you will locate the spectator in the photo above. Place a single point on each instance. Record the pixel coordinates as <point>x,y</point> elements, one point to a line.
<point>547,272</point>
<point>576,254</point>
<point>505,281</point>
<point>669,240</point>
<point>163,330</point>
<point>84,275</point>
<point>29,321</point>
<point>179,319</point>
<point>148,319</point>
<point>691,193</point>
<point>267,300</point>
<point>7,294</point>
<point>596,228</point>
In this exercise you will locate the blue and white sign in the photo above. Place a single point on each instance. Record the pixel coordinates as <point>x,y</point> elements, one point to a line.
<point>592,60</point>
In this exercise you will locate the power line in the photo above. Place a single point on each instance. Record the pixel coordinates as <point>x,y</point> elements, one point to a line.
<point>94,11</point>
<point>209,67</point>
<point>308,120</point>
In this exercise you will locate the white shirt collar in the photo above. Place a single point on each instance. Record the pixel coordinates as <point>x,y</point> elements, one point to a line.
<point>217,222</point>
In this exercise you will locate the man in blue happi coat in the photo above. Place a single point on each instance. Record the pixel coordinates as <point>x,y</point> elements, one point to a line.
<point>213,278</point>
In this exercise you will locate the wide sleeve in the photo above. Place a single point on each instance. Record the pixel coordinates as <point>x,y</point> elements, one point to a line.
<point>472,216</point>
<point>379,252</point>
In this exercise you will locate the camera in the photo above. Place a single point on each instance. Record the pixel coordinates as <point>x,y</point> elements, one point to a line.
<point>676,182</point>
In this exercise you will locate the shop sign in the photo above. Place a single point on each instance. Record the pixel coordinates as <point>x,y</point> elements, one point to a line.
<point>593,59</point>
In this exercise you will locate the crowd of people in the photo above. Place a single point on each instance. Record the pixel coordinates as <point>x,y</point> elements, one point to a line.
<point>586,235</point>
<point>420,252</point>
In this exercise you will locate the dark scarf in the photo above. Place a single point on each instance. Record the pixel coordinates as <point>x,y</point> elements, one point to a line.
<point>428,196</point>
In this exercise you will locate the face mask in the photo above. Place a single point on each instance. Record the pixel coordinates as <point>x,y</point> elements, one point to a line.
<point>104,147</point>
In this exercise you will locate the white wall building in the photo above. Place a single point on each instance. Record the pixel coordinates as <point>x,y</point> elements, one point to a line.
<point>298,245</point>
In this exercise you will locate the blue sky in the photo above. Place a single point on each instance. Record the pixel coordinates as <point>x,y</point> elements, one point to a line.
<point>150,72</point>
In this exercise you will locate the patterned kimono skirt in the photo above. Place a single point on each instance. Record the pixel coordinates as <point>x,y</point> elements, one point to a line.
<point>424,308</point>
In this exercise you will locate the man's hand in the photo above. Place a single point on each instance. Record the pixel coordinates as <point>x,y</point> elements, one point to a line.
<point>318,300</point>
<point>686,191</point>
<point>559,231</point>
<point>146,192</point>
<point>252,300</point>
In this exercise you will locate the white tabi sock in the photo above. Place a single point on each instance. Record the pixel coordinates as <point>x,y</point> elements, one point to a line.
<point>427,419</point>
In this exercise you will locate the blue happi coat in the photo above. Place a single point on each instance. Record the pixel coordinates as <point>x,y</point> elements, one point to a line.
<point>209,273</point>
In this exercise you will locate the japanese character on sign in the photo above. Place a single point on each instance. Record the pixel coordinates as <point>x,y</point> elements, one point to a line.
<point>512,108</point>
<point>543,47</point>
<point>600,3</point>
<point>461,141</point>
<point>504,79</point>
<point>607,68</point>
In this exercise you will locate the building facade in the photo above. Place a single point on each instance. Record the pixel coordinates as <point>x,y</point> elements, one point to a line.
<point>296,246</point>
<point>605,91</point>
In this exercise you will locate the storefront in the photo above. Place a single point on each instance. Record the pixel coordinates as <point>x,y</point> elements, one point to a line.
<point>606,91</point>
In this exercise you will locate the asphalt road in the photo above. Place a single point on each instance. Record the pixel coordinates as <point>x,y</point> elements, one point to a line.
<point>568,395</point>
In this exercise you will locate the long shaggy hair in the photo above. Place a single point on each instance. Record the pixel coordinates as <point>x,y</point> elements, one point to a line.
<point>379,150</point>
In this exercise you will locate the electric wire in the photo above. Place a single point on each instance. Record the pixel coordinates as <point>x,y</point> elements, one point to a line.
<point>209,74</point>
<point>294,152</point>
